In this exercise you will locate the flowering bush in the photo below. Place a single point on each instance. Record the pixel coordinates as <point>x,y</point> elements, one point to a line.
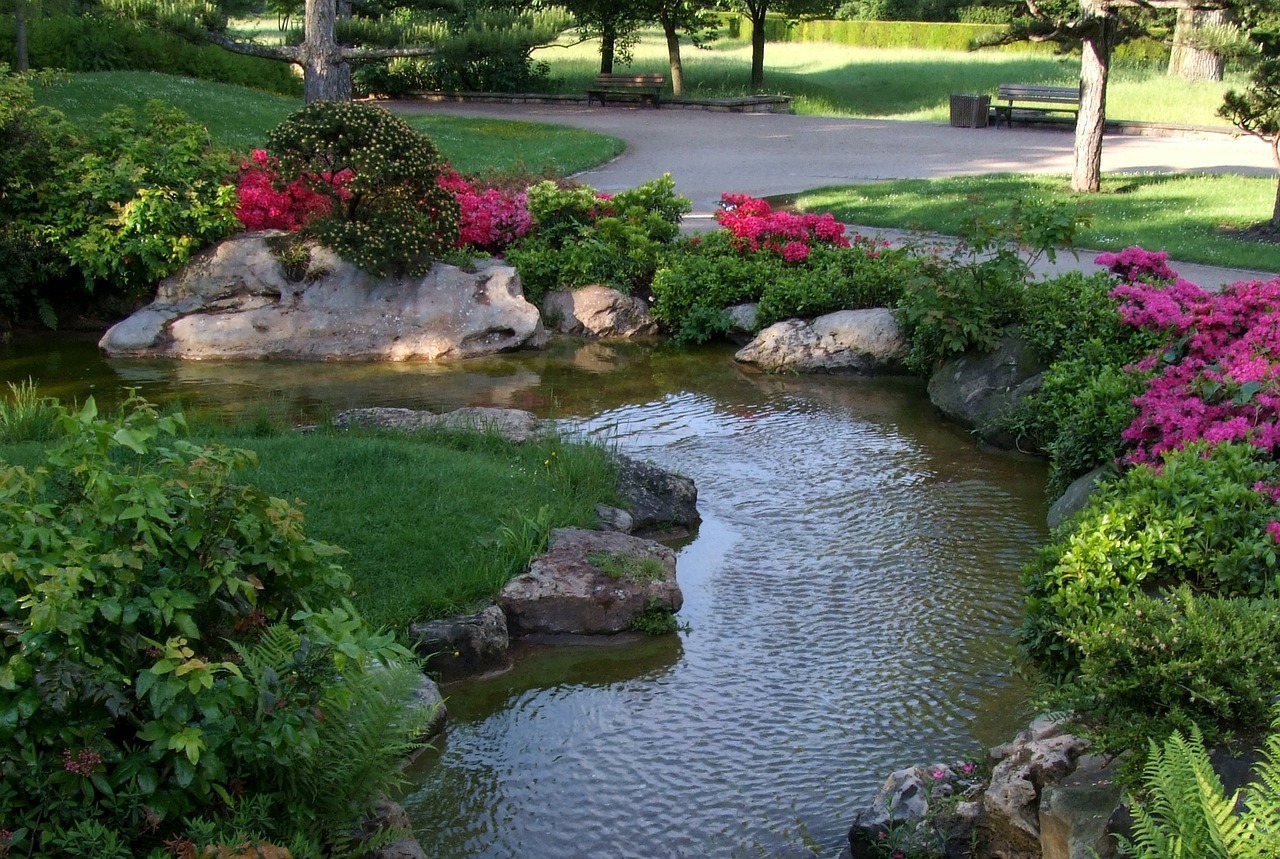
<point>1136,265</point>
<point>491,219</point>
<point>263,206</point>
<point>755,226</point>
<point>1216,378</point>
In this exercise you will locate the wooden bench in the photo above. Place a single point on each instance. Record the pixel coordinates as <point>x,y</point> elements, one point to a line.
<point>645,87</point>
<point>1034,97</point>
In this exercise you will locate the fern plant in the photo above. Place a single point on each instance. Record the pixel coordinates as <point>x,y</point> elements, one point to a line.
<point>1186,812</point>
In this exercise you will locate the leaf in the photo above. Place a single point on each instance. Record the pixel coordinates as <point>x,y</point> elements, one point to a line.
<point>130,438</point>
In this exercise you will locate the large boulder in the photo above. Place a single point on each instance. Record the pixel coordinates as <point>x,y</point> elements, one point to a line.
<point>656,499</point>
<point>1077,495</point>
<point>591,583</point>
<point>848,341</point>
<point>1076,812</point>
<point>599,311</point>
<point>975,389</point>
<point>236,300</point>
<point>463,646</point>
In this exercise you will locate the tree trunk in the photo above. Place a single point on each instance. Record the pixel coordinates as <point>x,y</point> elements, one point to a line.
<point>20,34</point>
<point>1275,211</point>
<point>757,11</point>
<point>673,57</point>
<point>326,76</point>
<point>1095,62</point>
<point>1189,61</point>
<point>608,39</point>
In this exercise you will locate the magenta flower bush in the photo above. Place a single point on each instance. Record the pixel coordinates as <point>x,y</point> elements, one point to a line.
<point>755,226</point>
<point>491,219</point>
<point>1136,265</point>
<point>262,205</point>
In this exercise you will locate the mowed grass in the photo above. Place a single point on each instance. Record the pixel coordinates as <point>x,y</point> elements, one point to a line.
<point>835,80</point>
<point>434,524</point>
<point>1193,217</point>
<point>240,119</point>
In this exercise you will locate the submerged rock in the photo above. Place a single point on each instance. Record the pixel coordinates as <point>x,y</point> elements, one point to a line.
<point>237,301</point>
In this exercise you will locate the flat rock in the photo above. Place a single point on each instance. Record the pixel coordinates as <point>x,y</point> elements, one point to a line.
<point>848,341</point>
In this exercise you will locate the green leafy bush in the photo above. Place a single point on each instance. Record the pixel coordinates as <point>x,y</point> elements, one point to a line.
<point>176,647</point>
<point>1170,662</point>
<point>138,197</point>
<point>1203,517</point>
<point>581,237</point>
<point>389,215</point>
<point>1075,311</point>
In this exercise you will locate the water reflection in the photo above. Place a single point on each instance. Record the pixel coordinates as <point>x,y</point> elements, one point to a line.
<point>851,595</point>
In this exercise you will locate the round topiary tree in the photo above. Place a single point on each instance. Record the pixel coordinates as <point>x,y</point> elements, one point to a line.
<point>389,214</point>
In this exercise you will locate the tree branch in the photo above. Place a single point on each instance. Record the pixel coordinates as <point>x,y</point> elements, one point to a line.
<point>252,49</point>
<point>385,53</point>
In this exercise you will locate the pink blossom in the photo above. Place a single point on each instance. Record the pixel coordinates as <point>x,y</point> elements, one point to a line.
<point>1273,528</point>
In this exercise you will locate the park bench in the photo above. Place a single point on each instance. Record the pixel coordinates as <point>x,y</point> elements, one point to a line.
<point>645,87</point>
<point>1034,97</point>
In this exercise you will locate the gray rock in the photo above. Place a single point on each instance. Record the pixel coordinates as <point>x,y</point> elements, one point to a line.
<point>565,592</point>
<point>849,341</point>
<point>743,318</point>
<point>389,815</point>
<point>614,519</point>
<point>1075,812</point>
<point>514,424</point>
<point>427,696</point>
<point>463,646</point>
<point>914,812</point>
<point>1077,495</point>
<point>233,301</point>
<point>599,311</point>
<point>975,390</point>
<point>657,499</point>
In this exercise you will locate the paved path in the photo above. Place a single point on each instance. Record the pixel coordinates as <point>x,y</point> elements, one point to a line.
<point>765,154</point>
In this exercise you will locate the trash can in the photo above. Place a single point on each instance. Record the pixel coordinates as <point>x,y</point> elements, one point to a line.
<point>970,111</point>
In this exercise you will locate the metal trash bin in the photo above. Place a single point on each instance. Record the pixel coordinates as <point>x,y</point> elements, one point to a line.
<point>970,111</point>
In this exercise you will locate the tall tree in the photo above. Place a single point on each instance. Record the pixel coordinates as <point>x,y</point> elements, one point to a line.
<point>617,25</point>
<point>690,17</point>
<point>1257,111</point>
<point>757,12</point>
<point>1096,28</point>
<point>1194,55</point>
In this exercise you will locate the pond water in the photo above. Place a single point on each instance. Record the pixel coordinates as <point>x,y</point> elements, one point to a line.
<point>850,600</point>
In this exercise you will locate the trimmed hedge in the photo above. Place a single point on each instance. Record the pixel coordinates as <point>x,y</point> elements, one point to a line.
<point>85,43</point>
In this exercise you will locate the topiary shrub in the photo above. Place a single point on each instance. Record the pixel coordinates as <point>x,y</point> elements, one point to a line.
<point>177,650</point>
<point>389,215</point>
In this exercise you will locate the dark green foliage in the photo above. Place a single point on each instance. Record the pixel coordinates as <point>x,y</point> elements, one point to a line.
<point>138,197</point>
<point>162,660</point>
<point>93,43</point>
<point>389,214</point>
<point>868,33</point>
<point>708,274</point>
<point>1068,312</point>
<point>580,237</point>
<point>1196,520</point>
<point>1171,662</point>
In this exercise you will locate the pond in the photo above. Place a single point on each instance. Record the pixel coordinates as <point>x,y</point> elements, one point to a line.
<point>850,600</point>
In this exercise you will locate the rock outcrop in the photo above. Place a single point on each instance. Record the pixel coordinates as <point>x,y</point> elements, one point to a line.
<point>974,390</point>
<point>656,499</point>
<point>236,301</point>
<point>463,646</point>
<point>599,311</point>
<point>591,583</point>
<point>848,341</point>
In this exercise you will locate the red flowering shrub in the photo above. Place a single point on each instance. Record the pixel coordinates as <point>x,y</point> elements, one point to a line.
<point>1136,265</point>
<point>1218,377</point>
<point>490,219</point>
<point>264,206</point>
<point>755,226</point>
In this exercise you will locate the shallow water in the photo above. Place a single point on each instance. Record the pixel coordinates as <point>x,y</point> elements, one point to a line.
<point>850,599</point>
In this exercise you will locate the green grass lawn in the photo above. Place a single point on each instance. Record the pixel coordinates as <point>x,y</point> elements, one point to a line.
<point>240,119</point>
<point>836,80</point>
<point>1194,218</point>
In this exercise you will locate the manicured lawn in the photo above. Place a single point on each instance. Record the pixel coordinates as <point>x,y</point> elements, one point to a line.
<point>1192,217</point>
<point>240,119</point>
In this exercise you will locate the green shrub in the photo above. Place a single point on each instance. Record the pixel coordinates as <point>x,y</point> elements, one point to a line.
<point>833,278</point>
<point>138,197</point>
<point>881,33</point>
<point>389,214</point>
<point>1076,310</point>
<point>1163,663</point>
<point>93,43</point>
<point>581,237</point>
<point>1196,519</point>
<point>176,648</point>
<point>707,274</point>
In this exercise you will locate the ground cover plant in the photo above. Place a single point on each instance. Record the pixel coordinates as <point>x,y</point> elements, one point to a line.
<point>181,669</point>
<point>1195,218</point>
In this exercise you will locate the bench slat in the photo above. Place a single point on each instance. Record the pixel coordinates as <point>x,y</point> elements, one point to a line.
<point>646,86</point>
<point>1067,99</point>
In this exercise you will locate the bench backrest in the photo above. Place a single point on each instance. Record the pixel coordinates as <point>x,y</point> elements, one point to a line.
<point>624,80</point>
<point>1034,92</point>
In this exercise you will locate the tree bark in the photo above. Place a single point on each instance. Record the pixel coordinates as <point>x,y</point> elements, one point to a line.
<point>326,75</point>
<point>757,12</point>
<point>1275,157</point>
<point>22,63</point>
<point>1095,63</point>
<point>608,39</point>
<point>1186,59</point>
<point>673,56</point>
